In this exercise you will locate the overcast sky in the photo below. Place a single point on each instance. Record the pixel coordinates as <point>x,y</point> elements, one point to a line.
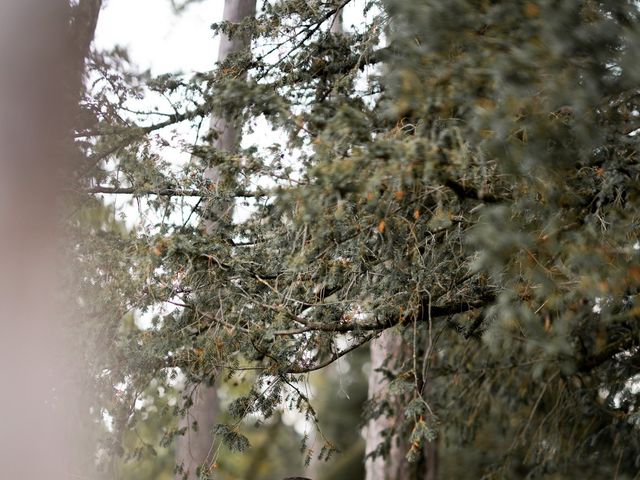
<point>157,38</point>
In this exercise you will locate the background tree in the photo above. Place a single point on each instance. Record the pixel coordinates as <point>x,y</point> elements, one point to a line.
<point>194,448</point>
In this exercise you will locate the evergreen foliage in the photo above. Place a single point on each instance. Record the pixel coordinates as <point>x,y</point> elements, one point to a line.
<point>464,172</point>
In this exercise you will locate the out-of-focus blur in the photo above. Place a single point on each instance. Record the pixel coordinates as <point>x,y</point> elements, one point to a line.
<point>40,397</point>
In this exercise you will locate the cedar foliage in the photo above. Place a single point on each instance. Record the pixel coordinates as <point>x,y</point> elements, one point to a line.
<point>465,172</point>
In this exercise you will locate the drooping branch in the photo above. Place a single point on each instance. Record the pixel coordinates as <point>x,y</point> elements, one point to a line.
<point>134,131</point>
<point>295,369</point>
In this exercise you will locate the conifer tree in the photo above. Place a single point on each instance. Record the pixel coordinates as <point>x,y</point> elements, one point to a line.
<point>477,197</point>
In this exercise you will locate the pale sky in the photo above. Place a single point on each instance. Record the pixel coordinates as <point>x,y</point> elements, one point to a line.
<point>157,38</point>
<point>165,42</point>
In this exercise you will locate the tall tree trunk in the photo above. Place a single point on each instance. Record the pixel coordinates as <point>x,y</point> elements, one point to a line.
<point>83,29</point>
<point>40,364</point>
<point>194,449</point>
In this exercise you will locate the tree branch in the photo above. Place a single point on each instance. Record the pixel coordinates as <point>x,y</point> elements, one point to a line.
<point>135,130</point>
<point>165,192</point>
<point>435,311</point>
<point>607,353</point>
<point>467,191</point>
<point>304,369</point>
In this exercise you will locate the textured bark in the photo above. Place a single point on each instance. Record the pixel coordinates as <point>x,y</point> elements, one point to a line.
<point>194,448</point>
<point>387,351</point>
<point>380,468</point>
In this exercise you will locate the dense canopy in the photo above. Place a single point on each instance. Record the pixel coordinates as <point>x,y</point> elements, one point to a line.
<point>463,173</point>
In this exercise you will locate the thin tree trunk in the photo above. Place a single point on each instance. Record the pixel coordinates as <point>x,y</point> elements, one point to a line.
<point>388,352</point>
<point>194,449</point>
<point>227,131</point>
<point>337,25</point>
<point>381,468</point>
<point>315,465</point>
<point>83,29</point>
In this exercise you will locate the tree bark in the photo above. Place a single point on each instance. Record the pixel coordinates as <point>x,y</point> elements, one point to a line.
<point>194,449</point>
<point>227,131</point>
<point>43,406</point>
<point>387,351</point>
<point>380,468</point>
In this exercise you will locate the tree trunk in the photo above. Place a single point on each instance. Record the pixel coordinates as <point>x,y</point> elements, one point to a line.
<point>42,404</point>
<point>228,131</point>
<point>387,352</point>
<point>194,449</point>
<point>380,468</point>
